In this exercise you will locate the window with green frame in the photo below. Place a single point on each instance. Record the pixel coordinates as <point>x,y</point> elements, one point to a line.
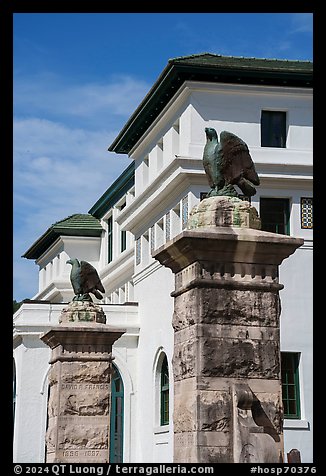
<point>110,239</point>
<point>275,215</point>
<point>164,392</point>
<point>290,384</point>
<point>117,417</point>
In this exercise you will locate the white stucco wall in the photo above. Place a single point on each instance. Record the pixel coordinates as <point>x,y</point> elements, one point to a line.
<point>31,359</point>
<point>152,290</point>
<point>297,336</point>
<point>172,173</point>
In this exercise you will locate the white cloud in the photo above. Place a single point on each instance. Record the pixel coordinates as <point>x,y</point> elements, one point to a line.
<point>47,94</point>
<point>61,162</point>
<point>59,170</point>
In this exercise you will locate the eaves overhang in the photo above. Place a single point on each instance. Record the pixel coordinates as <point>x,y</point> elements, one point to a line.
<point>208,68</point>
<point>74,225</point>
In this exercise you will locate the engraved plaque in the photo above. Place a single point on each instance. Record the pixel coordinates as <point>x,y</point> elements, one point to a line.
<point>85,455</point>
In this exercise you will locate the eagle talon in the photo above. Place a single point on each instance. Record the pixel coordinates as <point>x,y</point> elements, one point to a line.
<point>226,191</point>
<point>83,297</point>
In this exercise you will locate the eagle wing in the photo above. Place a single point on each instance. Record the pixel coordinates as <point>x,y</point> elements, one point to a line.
<point>236,161</point>
<point>90,279</point>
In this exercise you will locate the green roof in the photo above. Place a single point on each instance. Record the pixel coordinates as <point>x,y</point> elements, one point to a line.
<point>116,191</point>
<point>208,67</point>
<point>210,59</point>
<point>73,225</point>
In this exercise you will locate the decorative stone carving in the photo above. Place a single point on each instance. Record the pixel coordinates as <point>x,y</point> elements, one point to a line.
<point>82,312</point>
<point>254,431</point>
<point>223,211</point>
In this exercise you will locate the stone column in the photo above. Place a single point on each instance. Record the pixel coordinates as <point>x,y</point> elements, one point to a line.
<point>226,363</point>
<point>80,385</point>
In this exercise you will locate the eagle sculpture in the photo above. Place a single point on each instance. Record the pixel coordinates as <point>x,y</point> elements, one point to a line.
<point>84,280</point>
<point>228,163</point>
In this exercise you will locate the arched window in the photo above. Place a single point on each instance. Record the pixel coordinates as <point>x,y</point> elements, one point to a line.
<point>164,392</point>
<point>116,421</point>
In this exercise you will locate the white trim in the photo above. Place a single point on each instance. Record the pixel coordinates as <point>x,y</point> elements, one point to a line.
<point>45,381</point>
<point>44,411</point>
<point>128,391</point>
<point>159,430</point>
<point>296,424</point>
<point>145,272</point>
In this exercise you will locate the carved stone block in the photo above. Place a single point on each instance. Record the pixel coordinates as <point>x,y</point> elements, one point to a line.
<point>82,312</point>
<point>223,211</point>
<point>208,305</point>
<point>80,392</point>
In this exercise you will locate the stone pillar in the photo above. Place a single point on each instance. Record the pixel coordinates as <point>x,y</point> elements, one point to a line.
<point>226,363</point>
<point>80,385</point>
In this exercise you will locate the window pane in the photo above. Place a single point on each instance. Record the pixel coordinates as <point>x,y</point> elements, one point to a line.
<point>275,214</point>
<point>116,422</point>
<point>164,392</point>
<point>290,384</point>
<point>123,240</point>
<point>273,129</point>
<point>291,392</point>
<point>292,407</point>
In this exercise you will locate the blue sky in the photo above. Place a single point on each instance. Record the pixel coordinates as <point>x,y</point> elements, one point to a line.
<point>77,79</point>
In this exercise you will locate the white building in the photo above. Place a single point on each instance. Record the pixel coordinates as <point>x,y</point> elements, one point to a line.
<point>268,103</point>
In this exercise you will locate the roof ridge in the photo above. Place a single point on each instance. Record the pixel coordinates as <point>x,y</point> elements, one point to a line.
<point>195,55</point>
<point>71,216</point>
<point>206,53</point>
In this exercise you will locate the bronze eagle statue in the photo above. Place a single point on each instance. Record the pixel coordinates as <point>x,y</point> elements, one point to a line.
<point>228,163</point>
<point>84,280</point>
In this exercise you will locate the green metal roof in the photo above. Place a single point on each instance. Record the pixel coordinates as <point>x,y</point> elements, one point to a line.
<point>208,67</point>
<point>73,225</point>
<point>116,191</point>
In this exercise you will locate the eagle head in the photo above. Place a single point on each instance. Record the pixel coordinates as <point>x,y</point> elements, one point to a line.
<point>210,133</point>
<point>72,261</point>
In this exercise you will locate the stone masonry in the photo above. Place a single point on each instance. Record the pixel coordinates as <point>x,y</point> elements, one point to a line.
<point>226,363</point>
<point>80,385</point>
